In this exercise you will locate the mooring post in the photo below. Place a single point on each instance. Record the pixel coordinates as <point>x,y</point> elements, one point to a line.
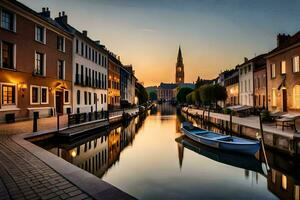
<point>263,141</point>
<point>230,121</point>
<point>35,119</point>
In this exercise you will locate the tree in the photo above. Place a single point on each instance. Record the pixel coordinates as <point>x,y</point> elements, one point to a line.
<point>141,93</point>
<point>210,94</point>
<point>153,96</point>
<point>182,94</point>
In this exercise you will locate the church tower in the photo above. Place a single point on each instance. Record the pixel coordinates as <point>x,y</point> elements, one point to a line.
<point>179,68</point>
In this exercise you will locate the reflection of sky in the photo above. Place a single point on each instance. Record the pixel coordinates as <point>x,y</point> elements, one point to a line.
<point>150,170</point>
<point>214,34</point>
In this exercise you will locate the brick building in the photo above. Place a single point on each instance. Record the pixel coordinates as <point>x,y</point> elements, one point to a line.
<point>36,63</point>
<point>260,87</point>
<point>284,74</point>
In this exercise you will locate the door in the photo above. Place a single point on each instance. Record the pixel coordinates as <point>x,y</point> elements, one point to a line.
<point>59,102</point>
<point>284,100</point>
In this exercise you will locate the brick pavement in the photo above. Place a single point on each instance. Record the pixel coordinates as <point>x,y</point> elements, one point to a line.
<point>24,176</point>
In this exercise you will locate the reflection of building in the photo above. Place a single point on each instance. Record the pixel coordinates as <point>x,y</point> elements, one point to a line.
<point>179,78</point>
<point>283,69</point>
<point>89,70</point>
<point>113,81</point>
<point>36,63</point>
<point>114,146</point>
<point>284,187</point>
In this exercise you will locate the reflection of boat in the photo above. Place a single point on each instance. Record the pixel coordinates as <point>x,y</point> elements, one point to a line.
<point>248,162</point>
<point>219,141</point>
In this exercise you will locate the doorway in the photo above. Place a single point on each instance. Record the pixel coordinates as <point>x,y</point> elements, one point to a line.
<point>284,100</point>
<point>59,102</point>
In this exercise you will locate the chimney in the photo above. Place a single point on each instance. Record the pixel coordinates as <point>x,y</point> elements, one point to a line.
<point>84,33</point>
<point>282,38</point>
<point>97,42</point>
<point>45,12</point>
<point>245,59</point>
<point>62,18</point>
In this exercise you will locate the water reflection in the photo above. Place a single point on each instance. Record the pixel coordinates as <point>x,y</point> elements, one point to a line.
<point>143,159</point>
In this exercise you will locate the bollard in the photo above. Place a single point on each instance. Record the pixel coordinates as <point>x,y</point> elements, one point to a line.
<point>35,119</point>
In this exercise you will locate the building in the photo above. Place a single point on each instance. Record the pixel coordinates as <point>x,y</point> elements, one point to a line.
<point>260,87</point>
<point>179,77</point>
<point>246,85</point>
<point>36,63</point>
<point>90,67</point>
<point>167,92</point>
<point>283,71</point>
<point>131,81</point>
<point>114,93</point>
<point>231,83</point>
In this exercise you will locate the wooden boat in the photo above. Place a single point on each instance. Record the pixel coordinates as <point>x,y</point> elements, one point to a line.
<point>219,141</point>
<point>242,161</point>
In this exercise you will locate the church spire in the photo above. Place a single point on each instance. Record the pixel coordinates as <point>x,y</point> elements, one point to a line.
<point>179,78</point>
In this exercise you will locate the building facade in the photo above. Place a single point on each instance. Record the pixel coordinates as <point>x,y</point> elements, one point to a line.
<point>114,93</point>
<point>179,77</point>
<point>284,74</point>
<point>260,87</point>
<point>131,81</point>
<point>246,83</point>
<point>90,68</point>
<point>232,88</point>
<point>36,63</point>
<point>167,92</point>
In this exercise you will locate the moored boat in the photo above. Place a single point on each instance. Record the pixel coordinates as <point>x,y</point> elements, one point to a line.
<point>220,141</point>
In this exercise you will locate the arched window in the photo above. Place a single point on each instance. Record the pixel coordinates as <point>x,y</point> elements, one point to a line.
<point>296,96</point>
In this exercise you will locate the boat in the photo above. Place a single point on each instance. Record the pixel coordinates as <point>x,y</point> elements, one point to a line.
<point>220,141</point>
<point>242,161</point>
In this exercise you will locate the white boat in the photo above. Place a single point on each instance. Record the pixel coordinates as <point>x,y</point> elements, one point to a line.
<point>220,141</point>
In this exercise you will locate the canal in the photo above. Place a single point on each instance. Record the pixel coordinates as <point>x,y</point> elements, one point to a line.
<point>149,158</point>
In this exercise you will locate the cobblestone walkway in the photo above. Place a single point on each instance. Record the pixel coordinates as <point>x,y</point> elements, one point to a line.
<point>23,176</point>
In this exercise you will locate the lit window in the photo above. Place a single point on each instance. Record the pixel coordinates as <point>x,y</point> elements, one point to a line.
<point>40,34</point>
<point>66,96</point>
<point>34,94</point>
<point>273,72</point>
<point>296,66</point>
<point>283,67</point>
<point>296,192</point>
<point>44,95</point>
<point>8,95</point>
<point>296,96</point>
<point>273,176</point>
<point>283,182</point>
<point>7,20</point>
<point>61,43</point>
<point>274,97</point>
<point>7,55</point>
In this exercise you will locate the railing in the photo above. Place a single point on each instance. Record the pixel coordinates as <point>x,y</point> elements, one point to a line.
<point>80,118</point>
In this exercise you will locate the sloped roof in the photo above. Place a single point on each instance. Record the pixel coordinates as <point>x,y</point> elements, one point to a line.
<point>167,86</point>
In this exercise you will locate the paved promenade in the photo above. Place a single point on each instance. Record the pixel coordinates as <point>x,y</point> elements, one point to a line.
<point>29,172</point>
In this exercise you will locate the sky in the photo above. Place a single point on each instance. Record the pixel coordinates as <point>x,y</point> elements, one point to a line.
<point>214,35</point>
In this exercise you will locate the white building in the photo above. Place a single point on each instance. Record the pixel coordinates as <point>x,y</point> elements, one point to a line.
<point>246,94</point>
<point>90,68</point>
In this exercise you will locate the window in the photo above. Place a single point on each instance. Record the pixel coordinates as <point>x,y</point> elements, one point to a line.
<point>296,97</point>
<point>7,55</point>
<point>78,97</point>
<point>273,175</point>
<point>8,95</point>
<point>35,94</point>
<point>61,69</point>
<point>90,98</point>
<point>44,95</point>
<point>82,48</point>
<point>39,64</point>
<point>66,96</point>
<point>296,192</point>
<point>77,46</point>
<point>95,98</point>
<point>7,20</point>
<point>104,98</point>
<point>85,98</point>
<point>283,182</point>
<point>40,33</point>
<point>101,98</point>
<point>283,67</point>
<point>273,72</point>
<point>296,66</point>
<point>274,97</point>
<point>241,86</point>
<point>61,43</point>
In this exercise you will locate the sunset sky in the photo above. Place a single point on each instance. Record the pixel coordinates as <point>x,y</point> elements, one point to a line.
<point>214,35</point>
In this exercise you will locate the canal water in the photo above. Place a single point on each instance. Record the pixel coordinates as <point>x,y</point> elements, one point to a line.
<point>149,158</point>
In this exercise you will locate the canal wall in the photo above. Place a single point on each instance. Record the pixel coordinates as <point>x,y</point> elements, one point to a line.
<point>284,141</point>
